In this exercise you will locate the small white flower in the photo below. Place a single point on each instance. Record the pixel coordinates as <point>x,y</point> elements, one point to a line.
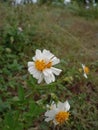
<point>20,29</point>
<point>67,2</point>
<point>42,66</point>
<point>86,70</point>
<point>58,114</point>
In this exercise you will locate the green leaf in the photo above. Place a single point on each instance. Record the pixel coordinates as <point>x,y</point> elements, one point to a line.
<point>21,93</point>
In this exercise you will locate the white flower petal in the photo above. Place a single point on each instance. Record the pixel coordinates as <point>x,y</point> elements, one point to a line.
<point>48,119</point>
<point>31,70</point>
<point>40,78</point>
<point>50,113</point>
<point>56,71</point>
<point>30,64</point>
<point>48,76</point>
<point>47,79</point>
<point>36,74</point>
<point>83,66</point>
<point>47,72</point>
<point>60,106</point>
<point>85,75</point>
<point>55,60</point>
<point>38,55</point>
<point>66,106</point>
<point>47,54</point>
<point>52,77</point>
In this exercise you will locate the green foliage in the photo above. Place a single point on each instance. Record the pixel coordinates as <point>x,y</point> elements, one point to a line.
<point>11,121</point>
<point>4,106</point>
<point>11,37</point>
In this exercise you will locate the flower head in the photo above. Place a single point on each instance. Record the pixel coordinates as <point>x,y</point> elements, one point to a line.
<point>86,70</point>
<point>58,114</point>
<point>42,66</point>
<point>67,2</point>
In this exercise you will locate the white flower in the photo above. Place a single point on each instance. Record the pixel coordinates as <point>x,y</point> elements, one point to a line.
<point>42,66</point>
<point>20,29</point>
<point>67,2</point>
<point>58,114</point>
<point>86,70</point>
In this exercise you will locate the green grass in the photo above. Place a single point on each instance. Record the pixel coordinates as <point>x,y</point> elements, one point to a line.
<point>73,38</point>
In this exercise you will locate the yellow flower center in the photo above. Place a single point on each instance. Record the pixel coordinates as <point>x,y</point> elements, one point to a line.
<point>62,116</point>
<point>86,70</point>
<point>41,65</point>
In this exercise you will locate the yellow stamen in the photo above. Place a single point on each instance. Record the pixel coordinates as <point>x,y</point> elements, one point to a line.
<point>86,70</point>
<point>62,116</point>
<point>41,65</point>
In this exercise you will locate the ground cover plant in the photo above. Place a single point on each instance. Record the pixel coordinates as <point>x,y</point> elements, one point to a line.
<point>71,36</point>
